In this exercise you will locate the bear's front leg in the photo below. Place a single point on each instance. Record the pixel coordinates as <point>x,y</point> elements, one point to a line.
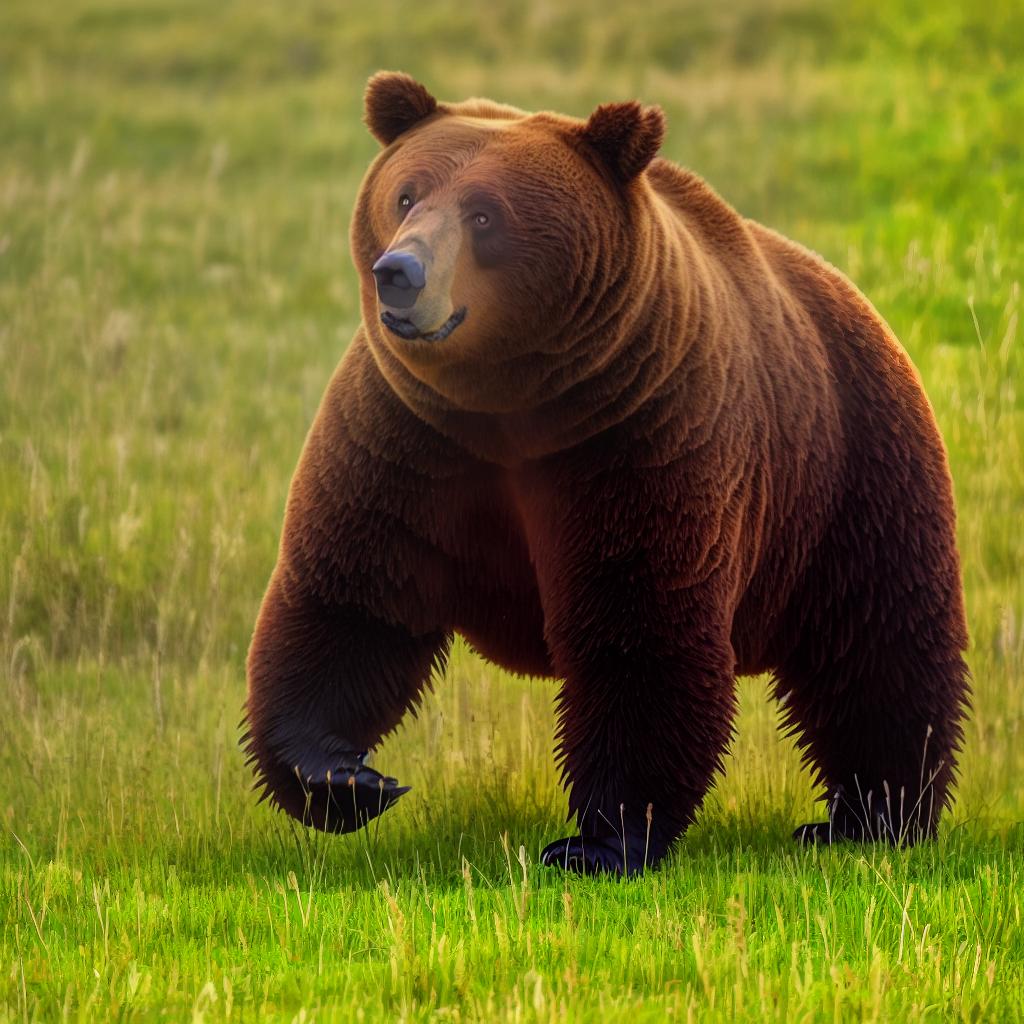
<point>326,682</point>
<point>357,614</point>
<point>644,721</point>
<point>636,598</point>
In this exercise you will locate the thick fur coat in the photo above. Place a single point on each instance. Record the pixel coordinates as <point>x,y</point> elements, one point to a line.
<point>624,438</point>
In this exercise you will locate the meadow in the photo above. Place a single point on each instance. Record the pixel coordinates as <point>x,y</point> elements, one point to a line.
<point>176,181</point>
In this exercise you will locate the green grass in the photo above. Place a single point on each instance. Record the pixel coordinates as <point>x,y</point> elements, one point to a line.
<point>176,180</point>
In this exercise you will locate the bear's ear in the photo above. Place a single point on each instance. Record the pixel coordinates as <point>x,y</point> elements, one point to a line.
<point>625,136</point>
<point>393,103</point>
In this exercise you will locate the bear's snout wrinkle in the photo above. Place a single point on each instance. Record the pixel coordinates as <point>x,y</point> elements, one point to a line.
<point>400,278</point>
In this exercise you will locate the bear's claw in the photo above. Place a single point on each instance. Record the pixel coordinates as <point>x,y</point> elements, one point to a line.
<point>348,796</point>
<point>816,832</point>
<point>594,855</point>
<point>870,822</point>
<point>829,832</point>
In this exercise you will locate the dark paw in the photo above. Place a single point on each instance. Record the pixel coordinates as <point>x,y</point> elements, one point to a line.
<point>816,832</point>
<point>876,830</point>
<point>346,797</point>
<point>595,855</point>
<point>861,821</point>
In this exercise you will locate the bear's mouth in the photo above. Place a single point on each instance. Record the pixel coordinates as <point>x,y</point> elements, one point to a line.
<point>410,332</point>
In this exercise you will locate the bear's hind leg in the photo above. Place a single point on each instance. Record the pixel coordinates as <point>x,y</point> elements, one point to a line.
<point>875,689</point>
<point>869,651</point>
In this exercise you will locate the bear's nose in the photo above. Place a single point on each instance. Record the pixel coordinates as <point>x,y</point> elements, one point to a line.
<point>400,279</point>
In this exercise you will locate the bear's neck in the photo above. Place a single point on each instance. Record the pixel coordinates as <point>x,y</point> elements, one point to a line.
<point>682,294</point>
<point>694,280</point>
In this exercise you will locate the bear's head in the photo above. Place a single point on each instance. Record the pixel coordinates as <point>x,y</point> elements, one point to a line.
<point>494,246</point>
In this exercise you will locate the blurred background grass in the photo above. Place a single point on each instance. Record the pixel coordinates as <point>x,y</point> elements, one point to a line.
<point>176,180</point>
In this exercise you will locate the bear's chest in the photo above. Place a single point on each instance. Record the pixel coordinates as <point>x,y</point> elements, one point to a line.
<point>497,603</point>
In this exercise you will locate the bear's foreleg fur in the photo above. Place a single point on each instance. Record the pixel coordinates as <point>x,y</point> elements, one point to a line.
<point>353,623</point>
<point>634,619</point>
<point>326,682</point>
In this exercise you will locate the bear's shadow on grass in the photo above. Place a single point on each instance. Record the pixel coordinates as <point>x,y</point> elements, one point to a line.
<point>441,848</point>
<point>437,847</point>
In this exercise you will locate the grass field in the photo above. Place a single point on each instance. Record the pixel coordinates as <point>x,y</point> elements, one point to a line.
<point>176,179</point>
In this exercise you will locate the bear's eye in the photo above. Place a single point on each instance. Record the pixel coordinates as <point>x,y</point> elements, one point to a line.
<point>405,202</point>
<point>481,220</point>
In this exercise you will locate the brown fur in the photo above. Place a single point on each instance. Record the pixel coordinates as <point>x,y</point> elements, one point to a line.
<point>667,446</point>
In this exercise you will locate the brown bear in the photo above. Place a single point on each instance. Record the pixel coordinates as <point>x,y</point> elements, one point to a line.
<point>613,433</point>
